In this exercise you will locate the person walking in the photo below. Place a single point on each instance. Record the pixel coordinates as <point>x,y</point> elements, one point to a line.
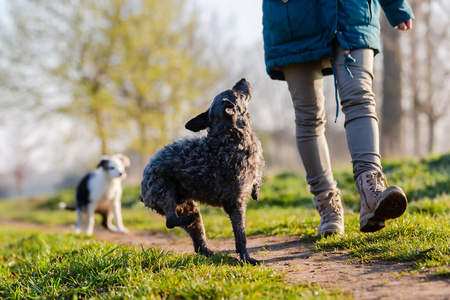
<point>305,40</point>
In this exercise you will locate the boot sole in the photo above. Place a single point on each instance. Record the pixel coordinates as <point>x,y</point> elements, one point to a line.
<point>330,232</point>
<point>391,206</point>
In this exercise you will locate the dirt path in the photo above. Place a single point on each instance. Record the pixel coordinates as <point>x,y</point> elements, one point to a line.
<point>331,270</point>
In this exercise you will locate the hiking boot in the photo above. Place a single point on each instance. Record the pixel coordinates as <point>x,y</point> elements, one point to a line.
<point>329,205</point>
<point>379,202</point>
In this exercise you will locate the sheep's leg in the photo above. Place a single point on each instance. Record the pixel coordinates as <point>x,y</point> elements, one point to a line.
<point>237,217</point>
<point>257,186</point>
<point>172,220</point>
<point>166,204</point>
<point>196,229</point>
<point>170,210</point>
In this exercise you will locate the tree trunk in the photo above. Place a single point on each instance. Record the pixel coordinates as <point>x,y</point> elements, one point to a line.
<point>417,134</point>
<point>391,113</point>
<point>431,125</point>
<point>416,107</point>
<point>99,122</point>
<point>143,148</point>
<point>19,176</point>
<point>429,101</point>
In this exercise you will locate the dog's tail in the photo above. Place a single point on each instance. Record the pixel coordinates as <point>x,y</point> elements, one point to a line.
<point>63,205</point>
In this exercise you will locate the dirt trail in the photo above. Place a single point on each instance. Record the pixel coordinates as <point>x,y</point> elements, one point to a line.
<point>332,270</point>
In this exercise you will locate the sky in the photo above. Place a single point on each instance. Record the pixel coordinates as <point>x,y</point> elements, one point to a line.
<point>242,17</point>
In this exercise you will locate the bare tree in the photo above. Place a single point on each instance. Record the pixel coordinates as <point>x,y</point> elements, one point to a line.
<point>433,105</point>
<point>414,62</point>
<point>392,112</point>
<point>429,70</point>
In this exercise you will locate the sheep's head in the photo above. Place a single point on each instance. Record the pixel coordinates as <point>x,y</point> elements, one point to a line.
<point>228,108</point>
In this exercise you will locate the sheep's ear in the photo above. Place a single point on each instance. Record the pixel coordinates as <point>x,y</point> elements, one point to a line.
<point>198,123</point>
<point>229,111</point>
<point>229,107</point>
<point>243,86</point>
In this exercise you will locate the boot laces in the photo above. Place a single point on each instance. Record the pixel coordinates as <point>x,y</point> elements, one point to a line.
<point>334,205</point>
<point>377,182</point>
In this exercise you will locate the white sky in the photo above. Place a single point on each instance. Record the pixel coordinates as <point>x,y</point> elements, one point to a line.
<point>243,17</point>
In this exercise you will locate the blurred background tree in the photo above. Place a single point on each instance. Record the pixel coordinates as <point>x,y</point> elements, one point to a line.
<point>425,72</point>
<point>83,78</point>
<point>162,73</point>
<point>128,68</point>
<point>391,111</point>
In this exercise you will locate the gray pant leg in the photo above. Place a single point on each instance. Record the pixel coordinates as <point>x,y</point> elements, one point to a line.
<point>358,105</point>
<point>305,83</point>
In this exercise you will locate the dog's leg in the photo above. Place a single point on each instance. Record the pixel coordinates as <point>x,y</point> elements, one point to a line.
<point>105,218</point>
<point>117,213</point>
<point>108,222</point>
<point>90,220</point>
<point>237,217</point>
<point>79,221</point>
<point>196,229</point>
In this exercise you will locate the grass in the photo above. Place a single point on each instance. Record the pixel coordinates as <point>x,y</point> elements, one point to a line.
<point>418,238</point>
<point>38,265</point>
<point>422,235</point>
<point>34,264</point>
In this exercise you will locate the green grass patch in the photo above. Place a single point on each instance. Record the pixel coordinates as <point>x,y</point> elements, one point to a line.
<point>415,237</point>
<point>38,265</point>
<point>443,271</point>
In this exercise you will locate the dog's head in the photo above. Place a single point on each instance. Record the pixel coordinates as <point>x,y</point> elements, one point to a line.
<point>229,107</point>
<point>114,165</point>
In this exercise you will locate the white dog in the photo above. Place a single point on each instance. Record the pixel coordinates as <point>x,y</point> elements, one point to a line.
<point>100,191</point>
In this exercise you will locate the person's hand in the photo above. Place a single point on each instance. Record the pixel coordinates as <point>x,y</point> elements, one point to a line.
<point>405,25</point>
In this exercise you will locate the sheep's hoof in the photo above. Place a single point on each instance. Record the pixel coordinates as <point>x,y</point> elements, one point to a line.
<point>206,252</point>
<point>169,224</point>
<point>248,260</point>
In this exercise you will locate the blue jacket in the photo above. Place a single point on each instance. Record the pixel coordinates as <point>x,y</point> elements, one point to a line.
<point>297,31</point>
